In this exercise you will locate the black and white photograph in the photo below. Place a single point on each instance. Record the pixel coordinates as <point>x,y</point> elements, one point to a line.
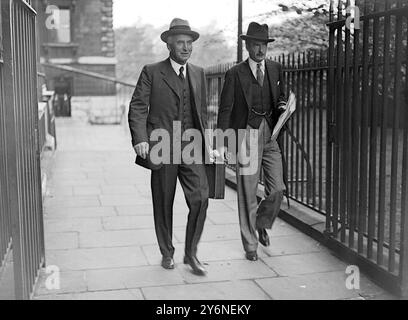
<point>204,156</point>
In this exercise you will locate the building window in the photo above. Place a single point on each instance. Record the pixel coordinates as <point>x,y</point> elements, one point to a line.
<point>62,33</point>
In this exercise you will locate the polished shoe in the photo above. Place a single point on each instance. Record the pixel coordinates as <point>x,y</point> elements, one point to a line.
<point>196,265</point>
<point>263,237</point>
<point>251,256</point>
<point>167,263</point>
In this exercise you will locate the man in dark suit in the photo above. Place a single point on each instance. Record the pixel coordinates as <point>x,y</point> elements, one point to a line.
<point>173,92</point>
<point>253,97</point>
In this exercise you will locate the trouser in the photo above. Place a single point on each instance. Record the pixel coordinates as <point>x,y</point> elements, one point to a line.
<point>193,180</point>
<point>269,159</point>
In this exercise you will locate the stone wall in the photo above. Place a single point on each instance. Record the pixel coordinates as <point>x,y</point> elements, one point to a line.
<point>96,110</point>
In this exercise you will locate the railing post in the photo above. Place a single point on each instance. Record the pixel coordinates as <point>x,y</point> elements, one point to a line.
<point>404,221</point>
<point>239,55</point>
<point>11,148</point>
<point>404,206</point>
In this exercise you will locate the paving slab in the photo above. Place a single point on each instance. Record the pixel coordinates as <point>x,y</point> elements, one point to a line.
<point>293,244</point>
<point>212,232</point>
<point>220,206</point>
<point>139,222</point>
<point>136,210</point>
<point>133,294</point>
<point>298,264</point>
<point>223,217</point>
<point>60,191</point>
<point>123,200</point>
<point>125,278</point>
<point>80,212</point>
<point>120,190</point>
<point>223,250</point>
<point>69,282</point>
<point>72,202</point>
<point>233,290</point>
<point>69,175</point>
<point>120,238</point>
<point>87,191</point>
<point>318,286</point>
<point>153,255</point>
<point>96,258</point>
<point>228,270</point>
<point>113,181</point>
<point>7,291</point>
<point>281,228</point>
<point>77,182</point>
<point>73,225</point>
<point>62,240</point>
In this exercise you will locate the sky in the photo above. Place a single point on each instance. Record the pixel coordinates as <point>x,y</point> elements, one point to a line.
<point>200,13</point>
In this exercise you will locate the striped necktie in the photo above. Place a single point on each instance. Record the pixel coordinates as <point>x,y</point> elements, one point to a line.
<point>181,74</point>
<point>259,75</point>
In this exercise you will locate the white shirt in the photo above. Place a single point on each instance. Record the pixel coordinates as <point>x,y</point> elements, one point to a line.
<point>254,66</point>
<point>176,67</point>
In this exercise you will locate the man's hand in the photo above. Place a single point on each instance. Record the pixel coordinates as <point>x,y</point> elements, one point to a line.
<point>223,153</point>
<point>213,155</point>
<point>142,149</point>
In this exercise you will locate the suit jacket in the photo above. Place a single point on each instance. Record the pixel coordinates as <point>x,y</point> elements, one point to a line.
<point>236,96</point>
<point>154,98</point>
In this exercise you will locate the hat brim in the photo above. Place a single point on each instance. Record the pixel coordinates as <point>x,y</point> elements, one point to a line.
<point>166,34</point>
<point>246,37</point>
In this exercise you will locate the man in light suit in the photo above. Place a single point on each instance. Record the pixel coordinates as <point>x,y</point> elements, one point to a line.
<point>167,92</point>
<point>253,97</point>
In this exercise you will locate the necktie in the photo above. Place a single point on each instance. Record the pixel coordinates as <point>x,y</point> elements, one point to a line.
<point>259,75</point>
<point>181,74</point>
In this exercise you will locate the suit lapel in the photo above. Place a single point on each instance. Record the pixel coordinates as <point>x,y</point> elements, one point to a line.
<point>170,77</point>
<point>245,77</point>
<point>195,85</point>
<point>272,77</point>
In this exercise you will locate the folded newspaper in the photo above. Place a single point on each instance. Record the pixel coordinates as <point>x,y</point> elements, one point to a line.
<point>284,117</point>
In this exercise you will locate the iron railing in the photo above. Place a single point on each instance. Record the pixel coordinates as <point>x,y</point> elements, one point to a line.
<point>122,89</point>
<point>304,138</point>
<point>367,157</point>
<point>346,146</point>
<point>5,220</point>
<point>46,115</point>
<point>20,196</point>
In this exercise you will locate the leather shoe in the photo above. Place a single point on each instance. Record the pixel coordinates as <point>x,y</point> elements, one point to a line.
<point>251,256</point>
<point>196,265</point>
<point>263,237</point>
<point>167,263</point>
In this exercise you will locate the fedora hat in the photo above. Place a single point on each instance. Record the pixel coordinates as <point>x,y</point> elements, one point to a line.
<point>179,26</point>
<point>258,32</point>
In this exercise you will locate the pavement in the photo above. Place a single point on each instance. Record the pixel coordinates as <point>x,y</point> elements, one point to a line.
<point>99,236</point>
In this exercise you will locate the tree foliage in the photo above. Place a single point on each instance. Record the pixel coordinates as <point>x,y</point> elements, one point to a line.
<point>301,27</point>
<point>141,45</point>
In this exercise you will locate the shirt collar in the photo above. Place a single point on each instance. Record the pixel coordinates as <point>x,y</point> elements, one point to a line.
<point>176,67</point>
<point>254,65</point>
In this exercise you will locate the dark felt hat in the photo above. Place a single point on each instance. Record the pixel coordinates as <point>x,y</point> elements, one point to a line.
<point>179,26</point>
<point>258,32</point>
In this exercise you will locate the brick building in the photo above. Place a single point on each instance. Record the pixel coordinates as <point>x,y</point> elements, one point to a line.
<point>79,35</point>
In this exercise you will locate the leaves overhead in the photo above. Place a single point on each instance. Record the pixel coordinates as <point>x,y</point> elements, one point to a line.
<point>301,27</point>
